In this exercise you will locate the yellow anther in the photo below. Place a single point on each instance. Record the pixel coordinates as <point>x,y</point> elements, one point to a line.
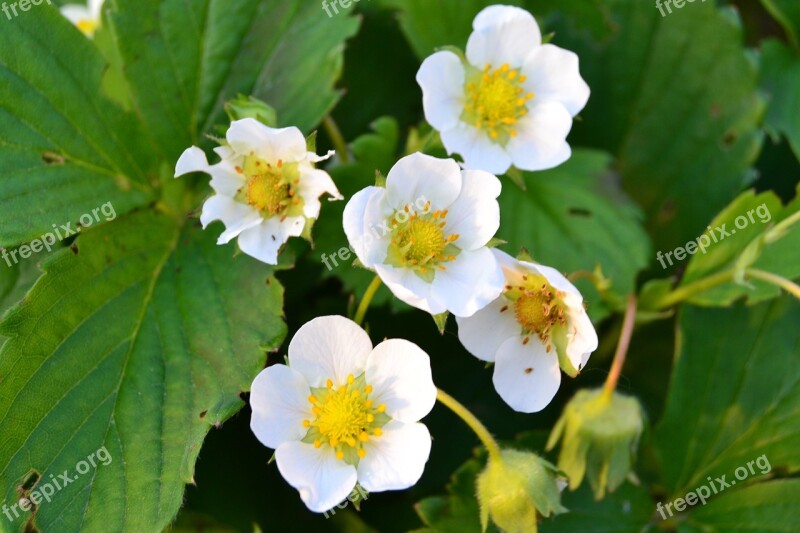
<point>312,399</point>
<point>381,408</point>
<point>377,432</point>
<point>362,453</point>
<point>340,455</point>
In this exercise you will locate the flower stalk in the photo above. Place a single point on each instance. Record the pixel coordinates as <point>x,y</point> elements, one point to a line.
<point>366,300</point>
<point>337,139</point>
<point>472,421</point>
<point>622,348</point>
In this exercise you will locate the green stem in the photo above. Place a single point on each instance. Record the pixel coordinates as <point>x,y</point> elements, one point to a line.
<point>684,293</point>
<point>785,284</point>
<point>471,420</point>
<point>622,348</point>
<point>337,139</point>
<point>367,299</point>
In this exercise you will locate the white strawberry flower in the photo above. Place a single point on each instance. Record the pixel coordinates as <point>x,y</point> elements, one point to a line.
<point>85,17</point>
<point>426,234</point>
<point>510,101</point>
<point>267,189</point>
<point>343,412</point>
<point>535,329</point>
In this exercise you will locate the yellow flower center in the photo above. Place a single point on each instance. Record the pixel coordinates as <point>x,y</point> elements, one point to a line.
<point>419,242</point>
<point>496,100</point>
<point>346,418</point>
<point>538,307</point>
<point>270,188</point>
<point>88,26</point>
<point>424,239</point>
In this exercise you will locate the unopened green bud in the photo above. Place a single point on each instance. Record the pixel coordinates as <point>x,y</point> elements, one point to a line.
<point>248,107</point>
<point>600,436</point>
<point>515,489</point>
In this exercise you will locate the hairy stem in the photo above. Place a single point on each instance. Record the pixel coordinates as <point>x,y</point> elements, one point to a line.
<point>622,348</point>
<point>472,421</point>
<point>367,299</point>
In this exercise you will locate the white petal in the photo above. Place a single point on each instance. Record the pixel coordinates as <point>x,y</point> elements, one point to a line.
<point>368,237</point>
<point>314,158</point>
<point>553,74</point>
<point>410,288</point>
<point>225,152</point>
<point>329,347</point>
<point>418,178</point>
<point>475,215</point>
<point>396,459</point>
<point>279,399</point>
<point>224,178</point>
<point>581,338</point>
<point>236,216</point>
<point>484,332</point>
<point>400,374</point>
<point>249,135</point>
<point>469,283</point>
<point>322,480</point>
<point>191,160</point>
<point>525,375</point>
<point>503,34</point>
<point>441,78</point>
<point>477,149</point>
<point>95,7</point>
<point>541,137</point>
<point>554,278</point>
<point>264,240</point>
<point>313,184</point>
<point>76,13</point>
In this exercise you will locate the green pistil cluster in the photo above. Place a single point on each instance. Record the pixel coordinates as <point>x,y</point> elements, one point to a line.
<point>271,188</point>
<point>418,241</point>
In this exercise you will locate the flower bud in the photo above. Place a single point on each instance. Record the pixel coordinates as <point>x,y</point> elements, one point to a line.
<point>516,488</point>
<point>600,436</point>
<point>248,107</point>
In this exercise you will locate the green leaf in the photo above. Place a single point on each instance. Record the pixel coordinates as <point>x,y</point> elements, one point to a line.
<point>421,21</point>
<point>573,218</point>
<point>747,239</point>
<point>675,98</point>
<point>787,13</point>
<point>758,508</point>
<point>64,149</point>
<point>626,510</point>
<point>136,340</point>
<point>184,60</point>
<point>734,394</point>
<point>780,80</point>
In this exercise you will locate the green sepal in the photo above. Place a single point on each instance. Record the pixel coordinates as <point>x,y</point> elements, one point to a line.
<point>249,107</point>
<point>441,321</point>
